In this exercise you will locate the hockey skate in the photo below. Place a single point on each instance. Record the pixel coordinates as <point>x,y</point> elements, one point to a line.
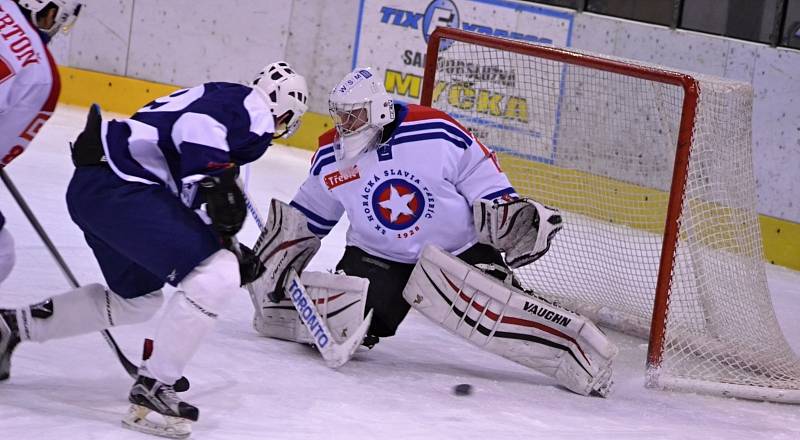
<point>9,338</point>
<point>149,395</point>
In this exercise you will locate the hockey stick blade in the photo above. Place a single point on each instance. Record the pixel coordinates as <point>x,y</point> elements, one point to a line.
<point>334,354</point>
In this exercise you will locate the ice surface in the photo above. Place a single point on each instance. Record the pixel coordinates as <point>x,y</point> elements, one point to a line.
<point>249,387</point>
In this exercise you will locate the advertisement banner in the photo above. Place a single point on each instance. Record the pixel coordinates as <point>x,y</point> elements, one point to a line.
<point>392,36</point>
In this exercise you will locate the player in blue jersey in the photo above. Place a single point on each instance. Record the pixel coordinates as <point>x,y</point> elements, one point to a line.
<point>424,196</point>
<point>136,193</point>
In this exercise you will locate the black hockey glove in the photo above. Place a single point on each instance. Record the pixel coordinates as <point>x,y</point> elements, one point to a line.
<point>250,266</point>
<point>225,202</point>
<point>87,150</point>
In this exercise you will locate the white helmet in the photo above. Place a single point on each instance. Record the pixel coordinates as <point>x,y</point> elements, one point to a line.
<point>66,13</point>
<point>360,108</point>
<point>287,95</point>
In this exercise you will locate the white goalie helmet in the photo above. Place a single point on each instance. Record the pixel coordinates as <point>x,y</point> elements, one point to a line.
<point>360,108</point>
<point>67,12</point>
<point>287,94</point>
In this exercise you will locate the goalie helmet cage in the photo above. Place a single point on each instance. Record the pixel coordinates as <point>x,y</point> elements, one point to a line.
<point>652,170</point>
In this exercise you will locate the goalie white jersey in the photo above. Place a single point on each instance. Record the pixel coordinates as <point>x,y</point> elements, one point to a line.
<point>29,82</point>
<point>416,188</point>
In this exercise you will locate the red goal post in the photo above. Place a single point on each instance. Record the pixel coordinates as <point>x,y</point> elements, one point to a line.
<point>587,126</point>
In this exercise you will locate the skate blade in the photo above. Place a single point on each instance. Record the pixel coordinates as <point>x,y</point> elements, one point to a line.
<point>173,427</point>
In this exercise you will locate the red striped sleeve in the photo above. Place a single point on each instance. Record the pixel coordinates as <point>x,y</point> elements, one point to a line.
<point>55,87</point>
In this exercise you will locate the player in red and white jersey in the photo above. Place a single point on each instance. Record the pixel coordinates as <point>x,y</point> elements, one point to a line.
<point>29,82</point>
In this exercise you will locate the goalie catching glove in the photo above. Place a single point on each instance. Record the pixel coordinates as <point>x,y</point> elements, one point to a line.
<point>521,228</point>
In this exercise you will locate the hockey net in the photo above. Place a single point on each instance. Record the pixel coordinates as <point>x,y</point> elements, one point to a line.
<point>652,170</point>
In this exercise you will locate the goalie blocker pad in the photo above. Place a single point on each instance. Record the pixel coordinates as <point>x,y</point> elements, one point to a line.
<point>284,243</point>
<point>339,299</point>
<point>505,321</point>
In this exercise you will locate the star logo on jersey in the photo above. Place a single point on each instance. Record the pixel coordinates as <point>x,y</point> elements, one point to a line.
<point>398,204</point>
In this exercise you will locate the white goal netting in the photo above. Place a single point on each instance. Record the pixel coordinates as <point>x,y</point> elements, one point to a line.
<point>601,146</point>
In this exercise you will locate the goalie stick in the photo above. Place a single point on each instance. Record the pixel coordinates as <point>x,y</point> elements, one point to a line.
<point>334,354</point>
<point>253,212</point>
<point>181,385</point>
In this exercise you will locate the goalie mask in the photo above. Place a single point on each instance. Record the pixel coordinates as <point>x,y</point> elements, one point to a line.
<point>360,108</point>
<point>66,13</point>
<point>287,95</point>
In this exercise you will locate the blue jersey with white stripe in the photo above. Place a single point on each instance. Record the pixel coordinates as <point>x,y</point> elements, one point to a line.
<point>181,138</point>
<point>417,188</point>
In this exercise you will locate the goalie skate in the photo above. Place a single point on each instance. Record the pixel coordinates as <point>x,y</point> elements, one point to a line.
<point>152,398</point>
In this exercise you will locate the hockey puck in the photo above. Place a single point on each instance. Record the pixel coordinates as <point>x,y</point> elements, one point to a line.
<point>462,389</point>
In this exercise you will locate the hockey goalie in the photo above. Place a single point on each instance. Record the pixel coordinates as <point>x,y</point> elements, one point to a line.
<point>434,224</point>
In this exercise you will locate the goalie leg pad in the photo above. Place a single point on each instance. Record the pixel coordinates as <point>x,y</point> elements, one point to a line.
<point>522,228</point>
<point>511,323</point>
<point>284,243</point>
<point>339,299</point>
